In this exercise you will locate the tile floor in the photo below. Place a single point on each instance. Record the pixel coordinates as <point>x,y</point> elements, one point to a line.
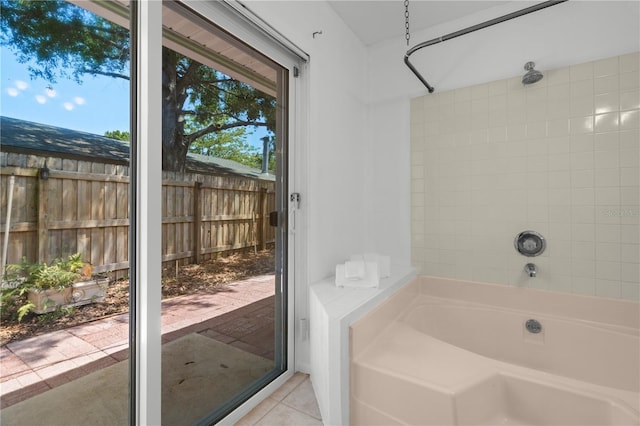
<point>293,404</point>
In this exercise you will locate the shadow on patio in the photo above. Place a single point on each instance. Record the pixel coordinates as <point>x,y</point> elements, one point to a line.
<point>241,316</point>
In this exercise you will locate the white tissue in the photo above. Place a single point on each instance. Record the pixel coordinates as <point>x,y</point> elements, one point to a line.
<point>383,262</point>
<point>354,270</point>
<point>369,280</point>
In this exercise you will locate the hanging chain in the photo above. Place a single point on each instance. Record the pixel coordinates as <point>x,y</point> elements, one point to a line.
<point>406,21</point>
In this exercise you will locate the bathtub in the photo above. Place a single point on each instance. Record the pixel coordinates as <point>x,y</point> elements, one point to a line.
<point>450,352</point>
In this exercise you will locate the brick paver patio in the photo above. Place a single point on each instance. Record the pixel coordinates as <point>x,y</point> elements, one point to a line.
<point>241,314</point>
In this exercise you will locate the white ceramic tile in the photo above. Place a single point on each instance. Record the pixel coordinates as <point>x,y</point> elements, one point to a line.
<point>560,214</point>
<point>606,233</point>
<point>583,285</point>
<point>582,160</point>
<point>630,233</point>
<point>582,214</point>
<point>630,272</point>
<point>630,158</point>
<point>629,100</point>
<point>562,145</point>
<point>629,62</point>
<point>582,197</point>
<point>608,122</point>
<point>610,252</point>
<point>629,120</point>
<point>560,196</point>
<point>558,128</point>
<point>283,415</point>
<point>581,105</point>
<point>630,291</point>
<point>606,159</point>
<point>607,102</point>
<point>288,386</point>
<point>558,76</point>
<point>580,125</point>
<point>582,71</point>
<point>582,178</point>
<point>607,178</point>
<point>630,195</point>
<point>606,67</point>
<point>607,196</point>
<point>585,232</point>
<point>606,84</point>
<point>582,142</point>
<point>498,87</point>
<point>583,250</point>
<point>630,253</point>
<point>536,112</point>
<point>629,176</point>
<point>560,162</point>
<point>608,288</point>
<point>561,108</point>
<point>629,80</point>
<point>606,270</point>
<point>559,179</point>
<point>609,141</point>
<point>480,91</point>
<point>257,413</point>
<point>303,399</point>
<point>629,139</point>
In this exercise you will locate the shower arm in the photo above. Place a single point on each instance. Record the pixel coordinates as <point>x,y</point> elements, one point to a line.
<point>468,30</point>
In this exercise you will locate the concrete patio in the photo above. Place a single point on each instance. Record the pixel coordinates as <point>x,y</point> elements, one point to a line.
<point>241,314</point>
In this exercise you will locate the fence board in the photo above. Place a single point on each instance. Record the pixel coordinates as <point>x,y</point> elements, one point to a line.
<point>84,208</point>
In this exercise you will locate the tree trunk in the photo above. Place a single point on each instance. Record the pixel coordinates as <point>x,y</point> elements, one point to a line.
<point>174,148</point>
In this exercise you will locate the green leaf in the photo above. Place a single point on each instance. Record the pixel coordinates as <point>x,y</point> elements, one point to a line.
<point>24,310</point>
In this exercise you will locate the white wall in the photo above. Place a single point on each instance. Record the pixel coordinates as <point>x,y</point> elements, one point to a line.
<point>337,145</point>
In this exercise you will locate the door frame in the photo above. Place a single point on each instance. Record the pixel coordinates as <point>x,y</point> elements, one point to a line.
<point>146,200</point>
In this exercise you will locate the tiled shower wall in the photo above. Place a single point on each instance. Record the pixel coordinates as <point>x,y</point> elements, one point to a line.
<point>559,157</point>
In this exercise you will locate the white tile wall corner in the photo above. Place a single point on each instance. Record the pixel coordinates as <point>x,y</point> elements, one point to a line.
<point>560,157</point>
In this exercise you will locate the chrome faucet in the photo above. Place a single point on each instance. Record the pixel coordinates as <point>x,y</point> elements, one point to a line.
<point>531,269</point>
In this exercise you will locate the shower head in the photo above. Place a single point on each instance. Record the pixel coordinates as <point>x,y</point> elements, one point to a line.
<point>532,75</point>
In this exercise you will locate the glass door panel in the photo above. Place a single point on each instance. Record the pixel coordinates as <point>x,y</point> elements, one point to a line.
<point>224,211</point>
<point>65,184</point>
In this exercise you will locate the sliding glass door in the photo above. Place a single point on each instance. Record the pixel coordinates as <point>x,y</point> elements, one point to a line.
<point>181,206</point>
<point>224,217</point>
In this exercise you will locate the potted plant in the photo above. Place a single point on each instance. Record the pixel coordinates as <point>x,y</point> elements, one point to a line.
<point>62,283</point>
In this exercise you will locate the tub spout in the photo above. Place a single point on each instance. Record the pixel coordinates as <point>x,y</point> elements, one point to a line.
<point>531,269</point>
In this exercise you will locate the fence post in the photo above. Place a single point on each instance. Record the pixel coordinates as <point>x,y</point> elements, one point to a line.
<point>264,219</point>
<point>197,222</point>
<point>43,219</point>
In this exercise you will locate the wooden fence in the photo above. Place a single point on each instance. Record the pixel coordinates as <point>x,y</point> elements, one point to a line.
<point>84,207</point>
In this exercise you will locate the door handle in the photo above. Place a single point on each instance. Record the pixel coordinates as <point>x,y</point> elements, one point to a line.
<point>273,218</point>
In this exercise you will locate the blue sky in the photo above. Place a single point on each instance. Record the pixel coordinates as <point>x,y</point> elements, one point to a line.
<point>97,105</point>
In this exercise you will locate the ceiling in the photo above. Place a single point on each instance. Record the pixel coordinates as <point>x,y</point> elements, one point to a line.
<point>375,21</point>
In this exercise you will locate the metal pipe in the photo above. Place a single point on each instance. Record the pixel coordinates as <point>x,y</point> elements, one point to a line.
<point>471,29</point>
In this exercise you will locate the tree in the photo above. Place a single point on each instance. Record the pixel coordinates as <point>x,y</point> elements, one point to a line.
<point>121,135</point>
<point>64,40</point>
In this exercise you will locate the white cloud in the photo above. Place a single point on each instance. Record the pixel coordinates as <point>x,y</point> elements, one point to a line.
<point>51,92</point>
<point>21,85</point>
<point>68,106</point>
<point>13,92</point>
<point>79,100</point>
<point>41,99</point>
